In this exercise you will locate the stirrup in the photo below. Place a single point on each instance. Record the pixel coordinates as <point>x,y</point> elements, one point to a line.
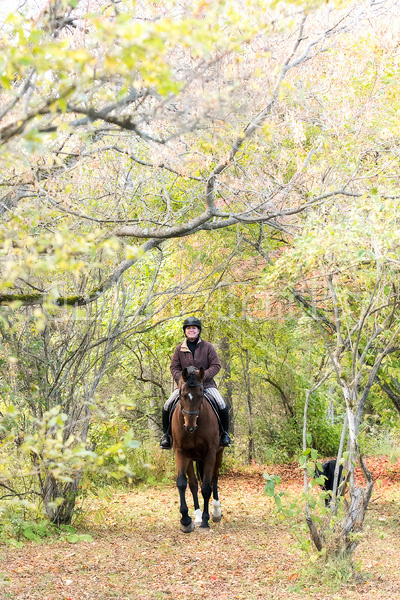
<point>225,440</point>
<point>166,442</point>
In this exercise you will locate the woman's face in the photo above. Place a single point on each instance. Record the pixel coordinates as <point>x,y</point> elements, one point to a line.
<point>192,332</point>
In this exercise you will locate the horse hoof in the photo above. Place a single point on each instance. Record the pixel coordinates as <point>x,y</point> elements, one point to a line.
<point>187,528</point>
<point>216,519</point>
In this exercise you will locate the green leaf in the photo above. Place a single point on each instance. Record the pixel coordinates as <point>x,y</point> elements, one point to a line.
<point>270,488</point>
<point>31,535</point>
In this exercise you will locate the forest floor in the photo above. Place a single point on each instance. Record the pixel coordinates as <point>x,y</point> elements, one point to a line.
<point>138,551</point>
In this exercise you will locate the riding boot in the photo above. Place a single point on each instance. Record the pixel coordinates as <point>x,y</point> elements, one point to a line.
<point>224,418</point>
<point>166,441</point>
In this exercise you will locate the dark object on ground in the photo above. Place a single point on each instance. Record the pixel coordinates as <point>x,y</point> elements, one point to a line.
<point>328,471</point>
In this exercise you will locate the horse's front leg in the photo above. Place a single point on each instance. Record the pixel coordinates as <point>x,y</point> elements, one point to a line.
<point>182,463</point>
<point>206,488</point>
<point>194,488</point>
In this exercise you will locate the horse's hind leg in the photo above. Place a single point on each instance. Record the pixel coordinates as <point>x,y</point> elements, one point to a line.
<point>194,488</point>
<point>182,462</point>
<point>216,514</point>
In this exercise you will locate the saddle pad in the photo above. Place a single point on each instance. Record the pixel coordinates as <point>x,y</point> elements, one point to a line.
<point>210,401</point>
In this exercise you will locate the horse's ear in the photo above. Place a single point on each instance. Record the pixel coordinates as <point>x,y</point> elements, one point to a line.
<point>201,373</point>
<point>185,374</point>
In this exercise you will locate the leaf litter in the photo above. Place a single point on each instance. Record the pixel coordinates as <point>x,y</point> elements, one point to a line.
<point>138,550</point>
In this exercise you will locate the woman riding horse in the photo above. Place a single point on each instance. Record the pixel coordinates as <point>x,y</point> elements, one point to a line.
<point>196,352</point>
<point>195,433</point>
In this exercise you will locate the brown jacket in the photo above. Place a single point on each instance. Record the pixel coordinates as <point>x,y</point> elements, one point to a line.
<point>205,356</point>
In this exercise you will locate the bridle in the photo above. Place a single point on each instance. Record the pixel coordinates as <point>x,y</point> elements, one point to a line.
<point>190,412</point>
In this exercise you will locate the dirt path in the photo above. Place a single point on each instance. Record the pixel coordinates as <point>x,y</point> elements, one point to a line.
<point>139,552</point>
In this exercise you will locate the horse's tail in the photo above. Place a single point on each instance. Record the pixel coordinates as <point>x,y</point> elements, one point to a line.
<point>200,470</point>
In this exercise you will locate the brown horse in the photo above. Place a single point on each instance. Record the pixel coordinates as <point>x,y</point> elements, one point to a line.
<point>195,435</point>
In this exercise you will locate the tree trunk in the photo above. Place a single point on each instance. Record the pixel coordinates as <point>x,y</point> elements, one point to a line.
<point>394,394</point>
<point>251,449</point>
<point>226,382</point>
<point>59,499</point>
<point>152,420</point>
<point>287,404</point>
<point>331,412</point>
<point>343,539</point>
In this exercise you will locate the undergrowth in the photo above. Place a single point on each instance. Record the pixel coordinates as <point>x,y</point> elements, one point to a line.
<point>15,530</point>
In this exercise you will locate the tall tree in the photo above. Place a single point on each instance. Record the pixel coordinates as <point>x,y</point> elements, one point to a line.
<point>347,270</point>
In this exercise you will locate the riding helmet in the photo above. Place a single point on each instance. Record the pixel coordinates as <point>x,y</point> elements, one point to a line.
<point>191,321</point>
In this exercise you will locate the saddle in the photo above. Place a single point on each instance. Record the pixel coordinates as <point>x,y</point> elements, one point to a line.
<point>210,401</point>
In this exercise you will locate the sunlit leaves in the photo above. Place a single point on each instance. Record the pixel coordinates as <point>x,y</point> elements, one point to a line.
<point>354,234</point>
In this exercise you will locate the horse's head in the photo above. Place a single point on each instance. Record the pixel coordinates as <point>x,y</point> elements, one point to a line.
<point>191,396</point>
